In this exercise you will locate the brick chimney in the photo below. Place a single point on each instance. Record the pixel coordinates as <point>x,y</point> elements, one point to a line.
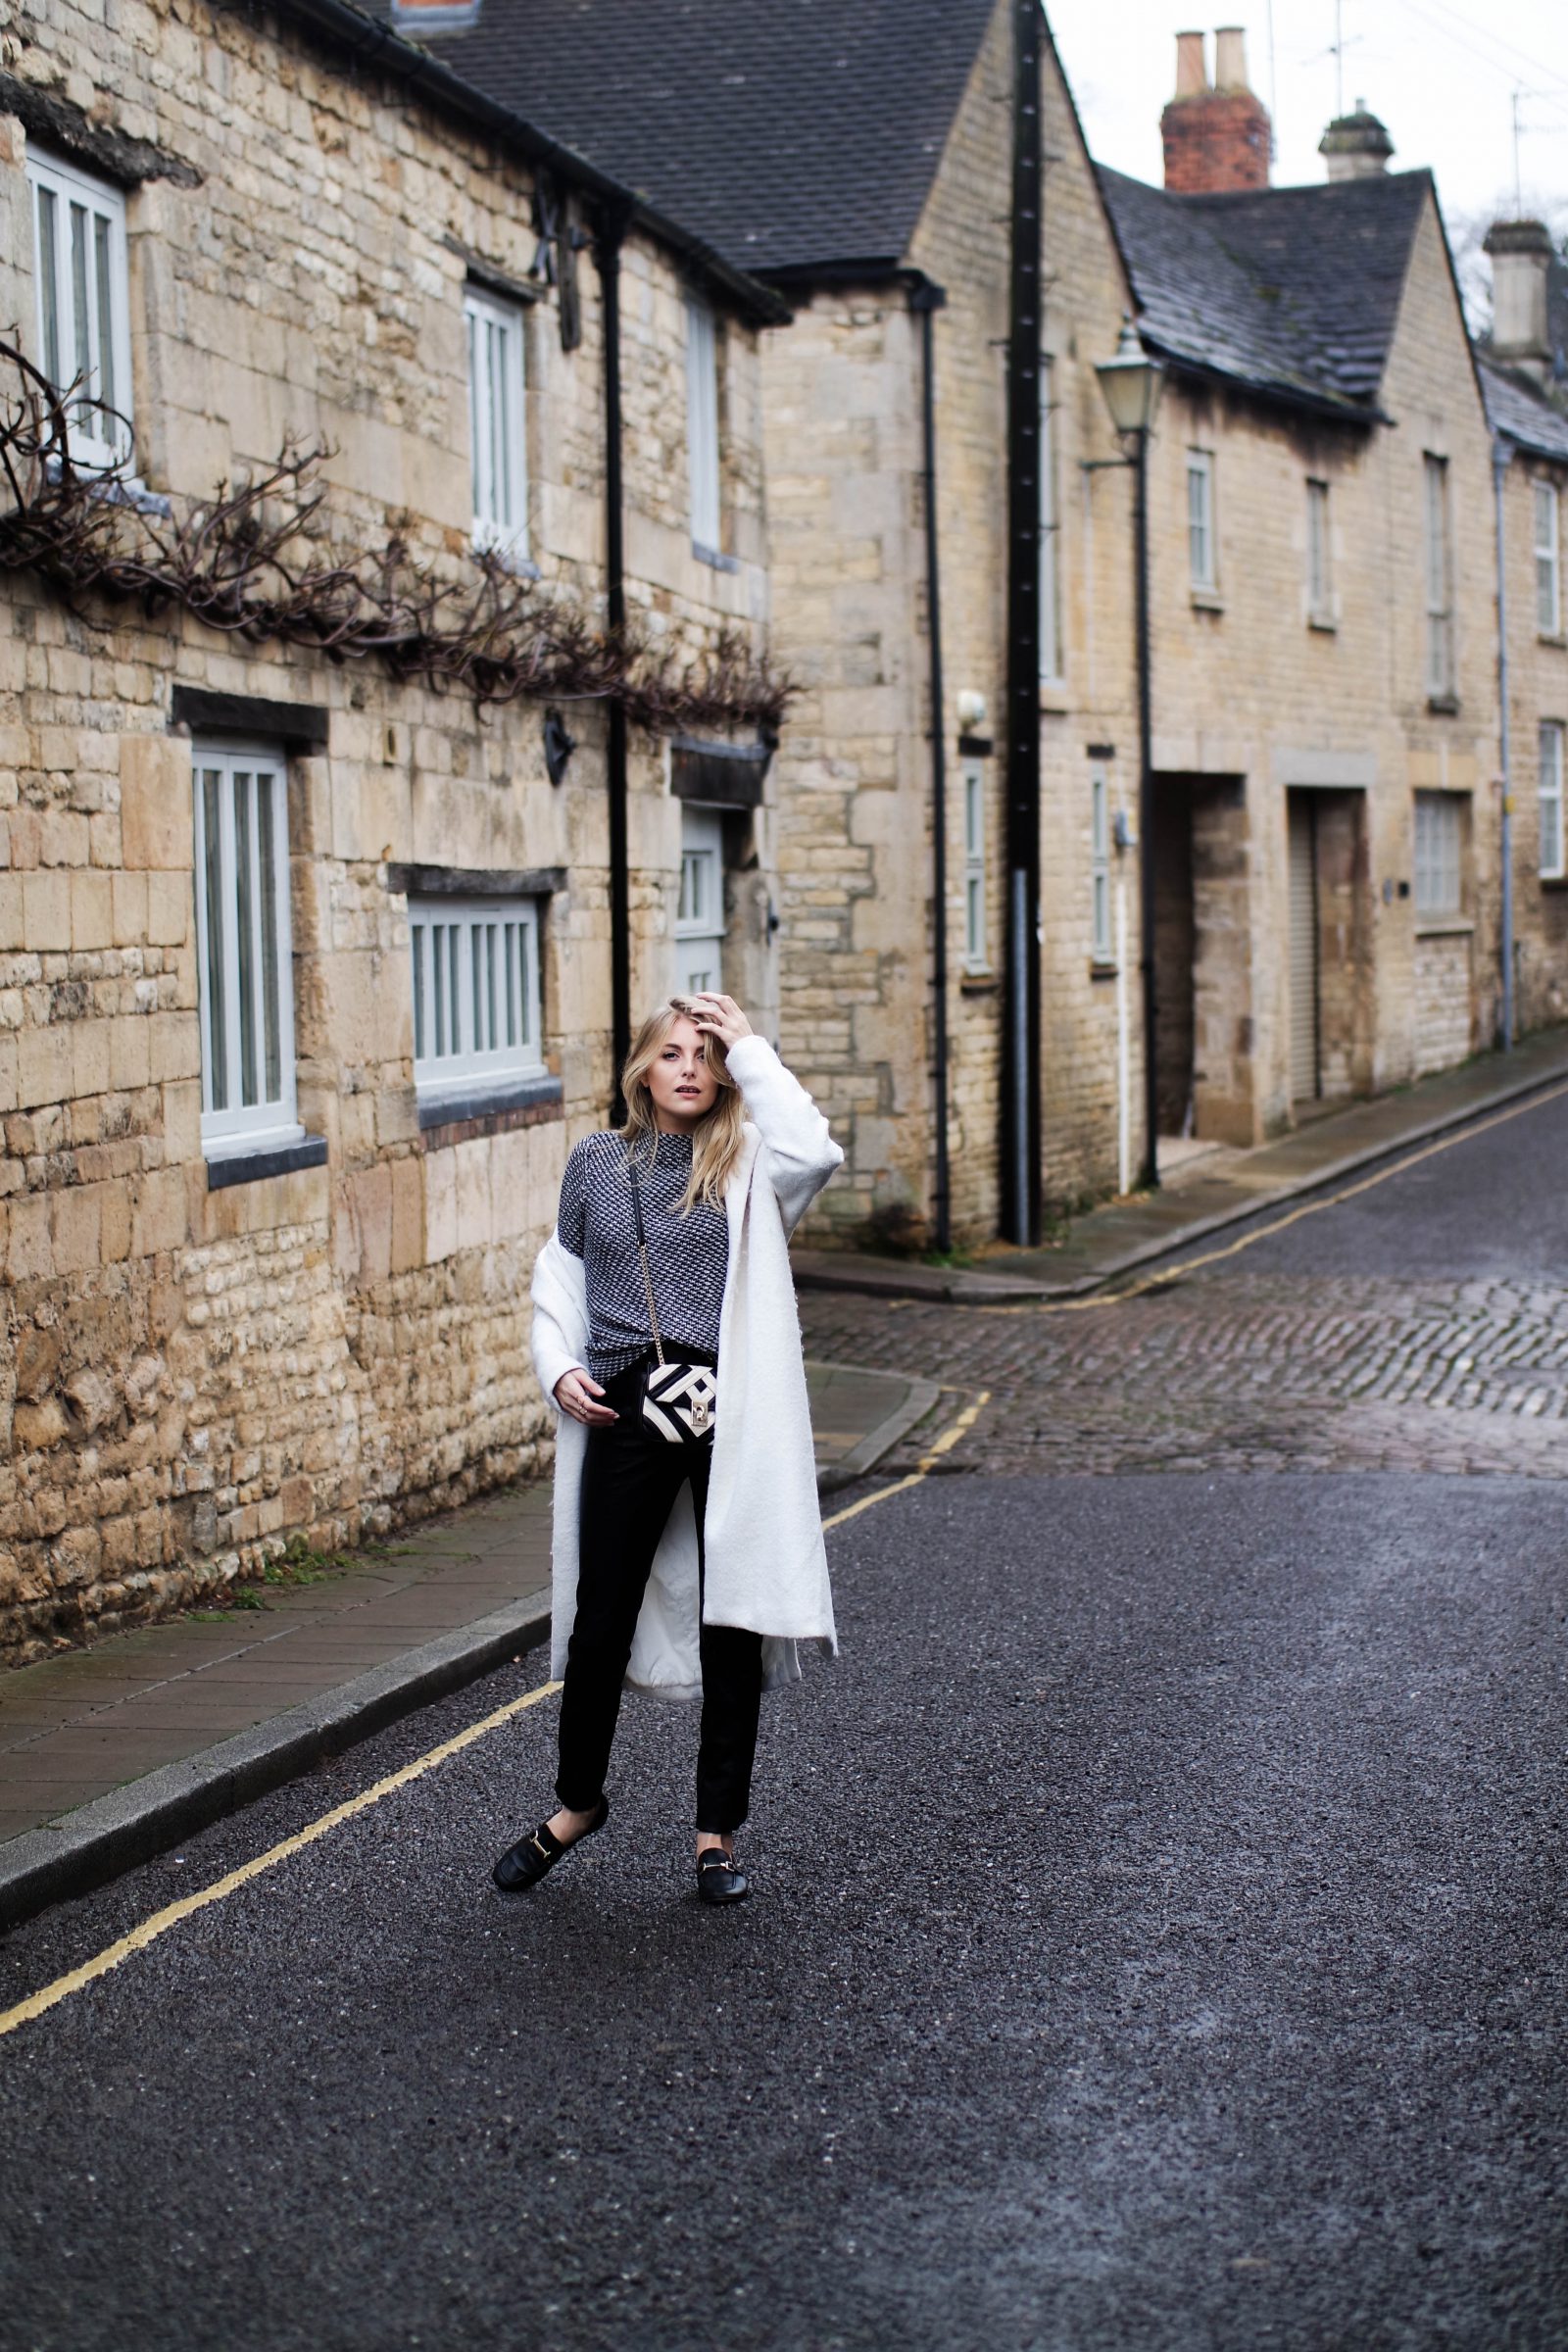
<point>1521,264</point>
<point>1356,145</point>
<point>1217,135</point>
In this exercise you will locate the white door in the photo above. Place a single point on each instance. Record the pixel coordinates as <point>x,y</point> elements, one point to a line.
<point>700,916</point>
<point>1303,949</point>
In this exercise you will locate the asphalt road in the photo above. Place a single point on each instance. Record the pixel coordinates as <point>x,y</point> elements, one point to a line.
<point>1158,1943</point>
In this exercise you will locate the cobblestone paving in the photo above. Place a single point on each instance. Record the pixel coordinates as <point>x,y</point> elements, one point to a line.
<point>1231,1370</point>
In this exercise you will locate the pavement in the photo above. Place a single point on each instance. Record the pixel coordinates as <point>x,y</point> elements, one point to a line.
<point>1205,1189</point>
<point>110,1753</point>
<point>1157,1942</point>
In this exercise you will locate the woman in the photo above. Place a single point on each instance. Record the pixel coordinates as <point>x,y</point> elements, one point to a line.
<point>690,1567</point>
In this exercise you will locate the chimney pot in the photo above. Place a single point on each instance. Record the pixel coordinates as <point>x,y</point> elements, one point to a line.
<point>1521,265</point>
<point>1230,58</point>
<point>1192,74</point>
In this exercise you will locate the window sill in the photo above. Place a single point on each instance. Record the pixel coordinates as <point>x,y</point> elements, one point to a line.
<point>255,1166</point>
<point>712,557</point>
<point>1323,625</point>
<point>1444,926</point>
<point>1444,706</point>
<point>1054,700</point>
<point>1206,600</point>
<point>1101,971</point>
<point>1552,637</point>
<point>1554,881</point>
<point>483,1108</point>
<point>982,982</point>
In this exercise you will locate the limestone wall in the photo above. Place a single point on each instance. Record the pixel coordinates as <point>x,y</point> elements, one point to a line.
<point>1538,691</point>
<point>192,1374</point>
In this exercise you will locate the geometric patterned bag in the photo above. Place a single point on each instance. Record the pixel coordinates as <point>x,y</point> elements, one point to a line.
<point>679,1401</point>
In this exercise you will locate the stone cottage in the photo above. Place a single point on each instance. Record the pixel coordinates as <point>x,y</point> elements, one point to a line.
<point>862,162</point>
<point>1324,640</point>
<point>345,400</point>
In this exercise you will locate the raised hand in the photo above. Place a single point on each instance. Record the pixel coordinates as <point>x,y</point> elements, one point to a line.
<point>719,1016</point>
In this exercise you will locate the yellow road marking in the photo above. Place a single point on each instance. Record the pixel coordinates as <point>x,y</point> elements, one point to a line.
<point>171,1916</point>
<point>139,1937</point>
<point>943,1444</point>
<point>1261,1233</point>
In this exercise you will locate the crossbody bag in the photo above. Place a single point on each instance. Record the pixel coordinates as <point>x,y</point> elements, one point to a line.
<point>679,1401</point>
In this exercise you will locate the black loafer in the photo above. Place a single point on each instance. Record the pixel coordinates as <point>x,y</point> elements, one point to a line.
<point>524,1864</point>
<point>720,1878</point>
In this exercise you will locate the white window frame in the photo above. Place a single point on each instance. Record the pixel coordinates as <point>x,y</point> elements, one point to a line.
<point>1549,559</point>
<point>702,426</point>
<point>1319,553</point>
<point>1051,656</point>
<point>1202,555</point>
<point>1553,846</point>
<point>1438,865</point>
<point>240,796</point>
<point>973,784</point>
<point>700,901</point>
<point>1101,947</point>
<point>1437,530</point>
<point>497,335</point>
<point>81,302</point>
<point>474,967</point>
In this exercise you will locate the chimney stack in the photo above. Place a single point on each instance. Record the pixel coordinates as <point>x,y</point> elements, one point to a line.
<point>1521,265</point>
<point>1217,138</point>
<point>1356,145</point>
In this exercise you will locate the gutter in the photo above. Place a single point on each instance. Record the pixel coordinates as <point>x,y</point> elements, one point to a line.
<point>925,300</point>
<point>1314,404</point>
<point>606,259</point>
<point>1020,1138</point>
<point>369,41</point>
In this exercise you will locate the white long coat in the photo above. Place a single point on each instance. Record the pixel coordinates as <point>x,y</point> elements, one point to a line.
<point>766,1560</point>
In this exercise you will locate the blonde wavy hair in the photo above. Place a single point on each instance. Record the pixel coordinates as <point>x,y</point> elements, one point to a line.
<point>718,1138</point>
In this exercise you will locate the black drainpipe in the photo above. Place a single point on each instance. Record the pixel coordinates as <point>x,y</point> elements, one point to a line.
<point>606,259</point>
<point>1020,1095</point>
<point>925,300</point>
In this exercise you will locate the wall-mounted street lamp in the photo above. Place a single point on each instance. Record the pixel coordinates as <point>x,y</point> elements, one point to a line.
<point>1131,384</point>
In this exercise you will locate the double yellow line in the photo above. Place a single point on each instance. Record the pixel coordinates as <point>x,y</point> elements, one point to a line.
<point>37,2004</point>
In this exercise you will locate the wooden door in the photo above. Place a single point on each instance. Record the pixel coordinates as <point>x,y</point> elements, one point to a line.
<point>1303,948</point>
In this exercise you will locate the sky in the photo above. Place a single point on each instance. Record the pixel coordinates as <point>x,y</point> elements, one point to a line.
<point>1441,74</point>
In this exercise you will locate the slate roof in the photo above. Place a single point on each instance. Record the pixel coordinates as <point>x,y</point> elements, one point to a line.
<point>1293,292</point>
<point>785,133</point>
<point>1517,408</point>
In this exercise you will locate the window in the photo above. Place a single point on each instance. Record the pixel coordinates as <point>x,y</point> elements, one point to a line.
<point>700,914</point>
<point>243,953</point>
<point>475,991</point>
<point>1049,529</point>
<point>1319,577</point>
<point>1548,579</point>
<point>1099,943</point>
<point>1440,612</point>
<point>701,425</point>
<point>1438,822</point>
<point>498,421</point>
<point>1553,862</point>
<point>1201,519</point>
<point>974,865</point>
<point>83,314</point>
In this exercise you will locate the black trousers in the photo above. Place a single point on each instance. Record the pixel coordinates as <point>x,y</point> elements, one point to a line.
<point>630,1480</point>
